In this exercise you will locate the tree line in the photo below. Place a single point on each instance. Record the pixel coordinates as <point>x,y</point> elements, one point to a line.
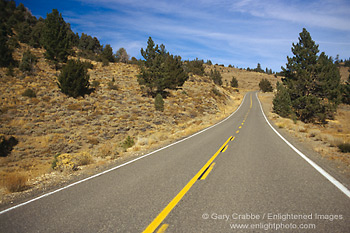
<point>53,34</point>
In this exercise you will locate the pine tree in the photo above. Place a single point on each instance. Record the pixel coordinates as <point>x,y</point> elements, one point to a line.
<point>150,53</point>
<point>107,53</point>
<point>196,67</point>
<point>74,80</point>
<point>282,105</point>
<point>345,91</point>
<point>234,82</point>
<point>122,56</point>
<point>55,37</point>
<point>216,77</point>
<point>6,58</point>
<point>312,81</point>
<point>160,70</point>
<point>159,103</point>
<point>265,85</point>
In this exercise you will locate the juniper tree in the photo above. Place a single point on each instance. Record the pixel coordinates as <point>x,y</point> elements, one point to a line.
<point>234,82</point>
<point>74,80</point>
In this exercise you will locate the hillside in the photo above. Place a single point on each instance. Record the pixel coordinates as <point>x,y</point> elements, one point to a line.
<point>92,131</point>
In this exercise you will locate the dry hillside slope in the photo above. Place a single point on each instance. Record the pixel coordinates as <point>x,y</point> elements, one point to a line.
<point>54,130</point>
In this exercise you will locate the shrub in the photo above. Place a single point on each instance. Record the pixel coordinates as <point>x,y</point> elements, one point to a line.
<point>234,82</point>
<point>74,80</point>
<point>216,92</point>
<point>282,105</point>
<point>265,85</point>
<point>64,162</point>
<point>129,142</point>
<point>83,158</point>
<point>344,147</point>
<point>54,162</point>
<point>95,84</point>
<point>216,77</point>
<point>112,86</point>
<point>29,93</point>
<point>16,182</point>
<point>28,62</point>
<point>159,103</point>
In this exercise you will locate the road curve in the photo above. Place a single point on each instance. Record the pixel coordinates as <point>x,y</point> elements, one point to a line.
<point>238,176</point>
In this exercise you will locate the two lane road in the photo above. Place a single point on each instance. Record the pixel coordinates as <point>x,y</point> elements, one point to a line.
<point>238,176</point>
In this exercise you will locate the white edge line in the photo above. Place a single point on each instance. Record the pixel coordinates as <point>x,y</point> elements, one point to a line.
<point>312,163</point>
<point>119,166</point>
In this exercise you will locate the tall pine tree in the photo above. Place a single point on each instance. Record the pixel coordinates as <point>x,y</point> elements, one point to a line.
<point>160,70</point>
<point>55,37</point>
<point>312,81</point>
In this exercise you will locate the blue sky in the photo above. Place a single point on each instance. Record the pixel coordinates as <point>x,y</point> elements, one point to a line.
<point>237,32</point>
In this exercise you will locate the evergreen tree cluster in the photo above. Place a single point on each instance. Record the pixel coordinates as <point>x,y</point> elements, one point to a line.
<point>260,70</point>
<point>17,24</point>
<point>311,87</point>
<point>195,66</point>
<point>160,70</point>
<point>265,85</point>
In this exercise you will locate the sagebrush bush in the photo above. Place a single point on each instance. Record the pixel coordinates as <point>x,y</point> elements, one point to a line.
<point>95,84</point>
<point>29,93</point>
<point>16,182</point>
<point>159,103</point>
<point>129,142</point>
<point>344,147</point>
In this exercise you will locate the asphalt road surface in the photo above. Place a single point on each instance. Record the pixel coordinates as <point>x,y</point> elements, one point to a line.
<point>238,176</point>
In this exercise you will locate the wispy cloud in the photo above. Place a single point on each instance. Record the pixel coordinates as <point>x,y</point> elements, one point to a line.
<point>242,32</point>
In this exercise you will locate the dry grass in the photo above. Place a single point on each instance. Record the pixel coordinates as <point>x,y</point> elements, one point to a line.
<point>16,182</point>
<point>324,139</point>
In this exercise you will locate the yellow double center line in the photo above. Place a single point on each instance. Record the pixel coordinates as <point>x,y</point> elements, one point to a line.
<point>159,219</point>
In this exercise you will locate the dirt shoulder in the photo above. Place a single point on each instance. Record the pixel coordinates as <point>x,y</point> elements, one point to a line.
<point>319,142</point>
